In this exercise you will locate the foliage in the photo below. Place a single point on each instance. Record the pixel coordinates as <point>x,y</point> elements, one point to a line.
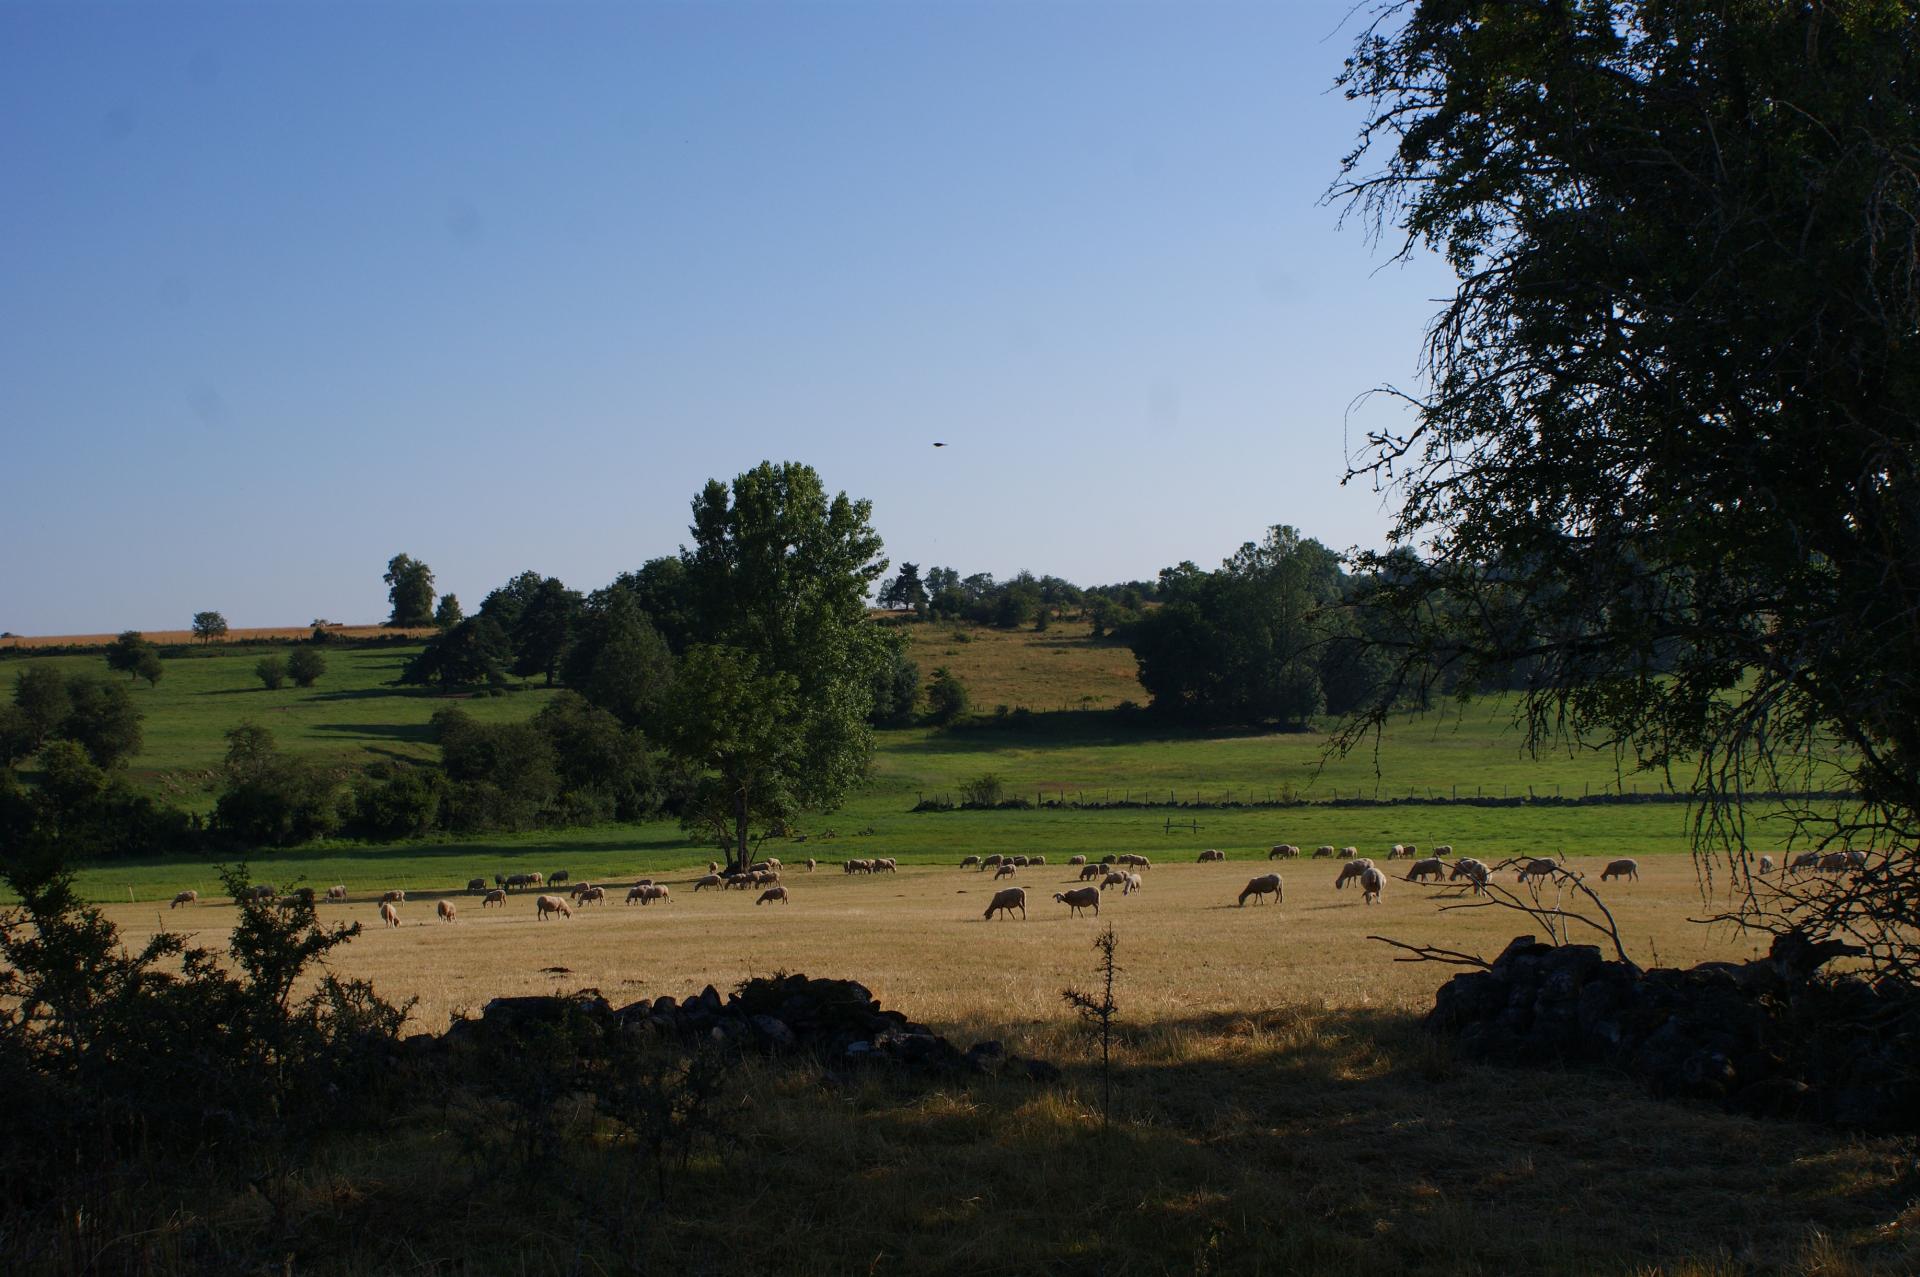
<point>904,591</point>
<point>447,613</point>
<point>984,790</point>
<point>1244,644</point>
<point>272,799</point>
<point>620,662</point>
<point>1102,1013</point>
<point>946,697</point>
<point>1668,454</point>
<point>271,670</point>
<point>896,689</point>
<point>474,652</point>
<point>773,697</point>
<point>392,801</point>
<point>410,591</point>
<point>133,655</point>
<point>208,626</point>
<point>305,666</point>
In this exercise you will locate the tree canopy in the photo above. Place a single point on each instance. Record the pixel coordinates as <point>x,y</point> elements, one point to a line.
<point>772,698</point>
<point>208,626</point>
<point>1668,452</point>
<point>410,591</point>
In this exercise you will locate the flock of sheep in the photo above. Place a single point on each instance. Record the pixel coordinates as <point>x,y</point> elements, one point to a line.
<point>1121,870</point>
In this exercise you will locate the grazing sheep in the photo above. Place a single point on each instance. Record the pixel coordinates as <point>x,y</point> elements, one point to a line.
<point>1351,853</point>
<point>1019,862</point>
<point>1076,860</point>
<point>1413,852</point>
<point>1077,899</point>
<point>580,889</point>
<point>738,880</point>
<point>1286,851</point>
<point>1832,863</point>
<point>184,898</point>
<point>1036,860</point>
<point>707,880</point>
<point>1472,870</point>
<point>1139,862</point>
<point>1444,849</point>
<point>773,893</point>
<point>1004,871</point>
<point>545,905</point>
<point>655,891</point>
<point>1091,871</point>
<point>1538,868</point>
<point>969,862</point>
<point>1114,878</point>
<point>264,891</point>
<point>1210,855</point>
<point>1395,852</point>
<point>559,876</point>
<point>516,880</point>
<point>1804,861</point>
<point>1350,871</point>
<point>1433,866</point>
<point>773,864</point>
<point>1766,864</point>
<point>1131,885</point>
<point>635,892</point>
<point>810,864</point>
<point>1006,900</point>
<point>291,904</point>
<point>1373,884</point>
<point>394,897</point>
<point>1856,860</point>
<point>1621,869</point>
<point>855,867</point>
<point>476,885</point>
<point>1261,887</point>
<point>446,910</point>
<point>593,896</point>
<point>989,862</point>
<point>389,915</point>
<point>1108,859</point>
<point>883,864</point>
<point>497,896</point>
<point>713,866</point>
<point>535,880</point>
<point>1322,851</point>
<point>338,891</point>
<point>303,894</point>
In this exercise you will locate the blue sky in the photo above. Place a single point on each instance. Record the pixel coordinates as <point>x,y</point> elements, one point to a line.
<point>286,289</point>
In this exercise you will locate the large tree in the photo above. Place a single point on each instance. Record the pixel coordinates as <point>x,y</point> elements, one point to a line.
<point>410,591</point>
<point>1668,451</point>
<point>772,697</point>
<point>208,626</point>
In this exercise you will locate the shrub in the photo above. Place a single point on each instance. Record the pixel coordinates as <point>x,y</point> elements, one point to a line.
<point>982,791</point>
<point>305,666</point>
<point>272,671</point>
<point>946,696</point>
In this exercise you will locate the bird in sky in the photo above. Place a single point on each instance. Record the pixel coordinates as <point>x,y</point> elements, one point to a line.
<point>938,444</point>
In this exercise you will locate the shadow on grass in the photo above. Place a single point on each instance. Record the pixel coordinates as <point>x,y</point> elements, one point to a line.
<point>1069,728</point>
<point>421,732</point>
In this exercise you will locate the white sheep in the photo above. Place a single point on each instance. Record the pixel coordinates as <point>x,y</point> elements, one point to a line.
<point>1036,860</point>
<point>446,910</point>
<point>1804,861</point>
<point>1114,878</point>
<point>1210,855</point>
<point>773,893</point>
<point>1629,869</point>
<point>1004,871</point>
<point>884,864</point>
<point>1373,884</point>
<point>1766,864</point>
<point>389,915</point>
<point>1131,885</point>
<point>1432,866</point>
<point>1261,887</point>
<point>1538,868</point>
<point>1350,871</point>
<point>1287,851</point>
<point>655,891</point>
<point>708,880</point>
<point>1091,871</point>
<point>395,897</point>
<point>1395,852</point>
<point>184,898</point>
<point>636,892</point>
<point>969,862</point>
<point>495,897</point>
<point>1474,871</point>
<point>1322,851</point>
<point>338,891</point>
<point>1006,900</point>
<point>988,862</point>
<point>1079,898</point>
<point>1076,860</point>
<point>551,904</point>
<point>1444,849</point>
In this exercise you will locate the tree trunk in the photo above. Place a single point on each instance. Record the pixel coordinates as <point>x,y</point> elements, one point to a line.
<point>740,828</point>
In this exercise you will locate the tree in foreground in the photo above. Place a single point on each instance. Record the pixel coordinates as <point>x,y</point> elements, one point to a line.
<point>771,700</point>
<point>410,591</point>
<point>208,626</point>
<point>1668,454</point>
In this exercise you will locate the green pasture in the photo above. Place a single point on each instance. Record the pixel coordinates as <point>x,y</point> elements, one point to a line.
<point>355,715</point>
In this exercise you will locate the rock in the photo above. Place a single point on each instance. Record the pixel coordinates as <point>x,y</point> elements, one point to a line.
<point>774,1031</point>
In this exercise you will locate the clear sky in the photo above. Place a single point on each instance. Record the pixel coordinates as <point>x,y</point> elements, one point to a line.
<point>286,289</point>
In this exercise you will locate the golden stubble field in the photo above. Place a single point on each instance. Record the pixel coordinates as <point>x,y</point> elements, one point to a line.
<point>918,940</point>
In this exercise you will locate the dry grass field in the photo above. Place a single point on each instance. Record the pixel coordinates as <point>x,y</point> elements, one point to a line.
<point>1060,669</point>
<point>918,940</point>
<point>1276,1109</point>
